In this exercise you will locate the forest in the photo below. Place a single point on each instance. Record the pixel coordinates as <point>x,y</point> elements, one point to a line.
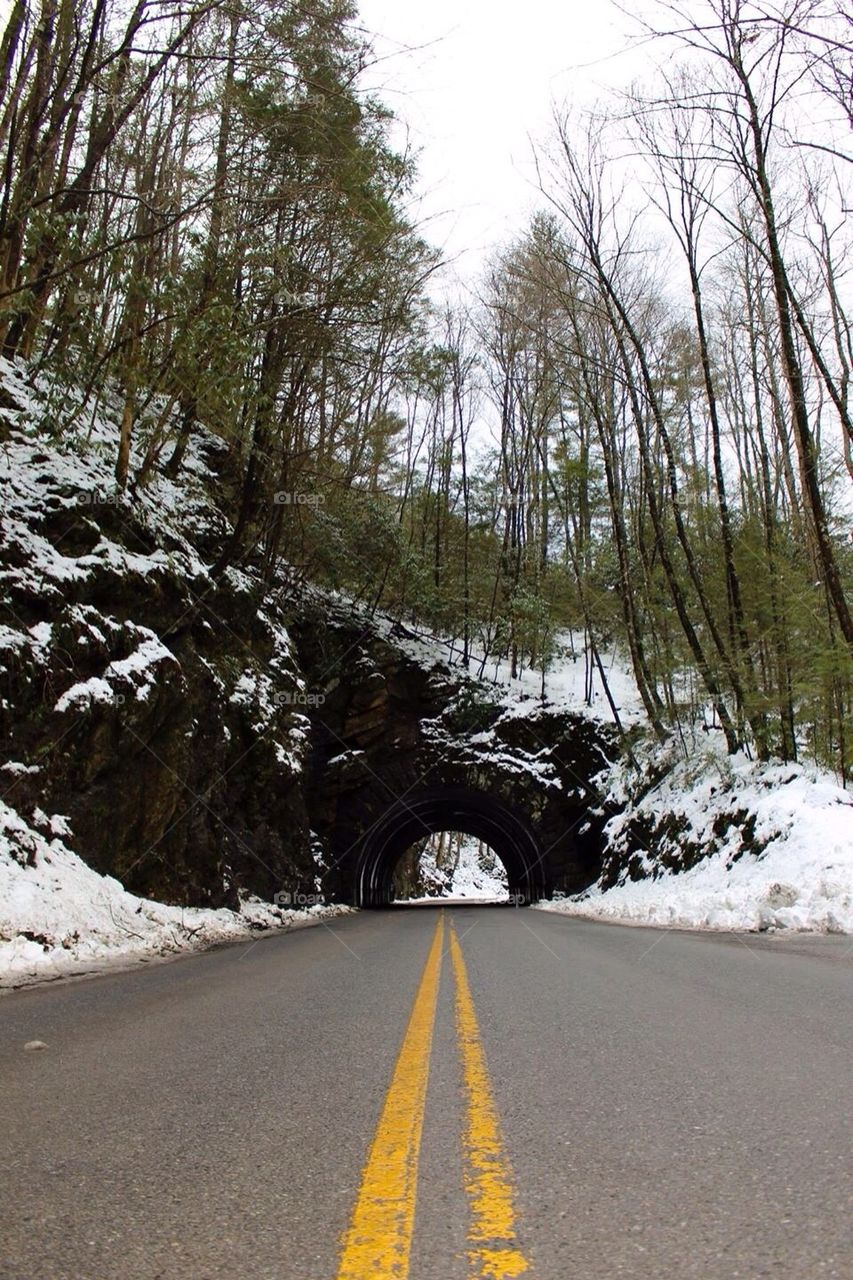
<point>633,434</point>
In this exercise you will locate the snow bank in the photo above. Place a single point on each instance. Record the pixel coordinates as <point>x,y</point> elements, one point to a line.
<point>59,917</point>
<point>477,876</point>
<point>473,880</point>
<point>777,843</point>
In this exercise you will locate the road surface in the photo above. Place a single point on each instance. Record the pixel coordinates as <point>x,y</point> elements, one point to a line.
<point>478,1092</point>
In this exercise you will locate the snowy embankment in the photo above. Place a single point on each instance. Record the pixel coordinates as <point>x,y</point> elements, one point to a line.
<point>731,845</point>
<point>476,876</point>
<point>81,567</point>
<point>568,684</point>
<point>59,917</point>
<point>473,881</point>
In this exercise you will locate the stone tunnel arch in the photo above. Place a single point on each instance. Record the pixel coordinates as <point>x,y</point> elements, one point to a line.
<point>476,813</point>
<point>403,745</point>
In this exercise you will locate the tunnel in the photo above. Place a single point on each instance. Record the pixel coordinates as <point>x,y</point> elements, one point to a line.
<point>475,813</point>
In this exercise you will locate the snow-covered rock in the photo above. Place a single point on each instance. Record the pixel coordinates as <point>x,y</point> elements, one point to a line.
<point>727,843</point>
<point>59,917</point>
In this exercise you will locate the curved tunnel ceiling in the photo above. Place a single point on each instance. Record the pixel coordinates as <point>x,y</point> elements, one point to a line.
<point>448,809</point>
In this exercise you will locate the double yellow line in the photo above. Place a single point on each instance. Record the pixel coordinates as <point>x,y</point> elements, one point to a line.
<point>377,1245</point>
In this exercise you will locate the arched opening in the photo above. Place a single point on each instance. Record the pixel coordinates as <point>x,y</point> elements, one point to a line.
<point>425,813</point>
<point>450,865</point>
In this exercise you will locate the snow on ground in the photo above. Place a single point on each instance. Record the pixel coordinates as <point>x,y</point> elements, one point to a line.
<point>566,680</point>
<point>786,863</point>
<point>478,875</point>
<point>566,677</point>
<point>59,917</point>
<point>473,878</point>
<point>40,479</point>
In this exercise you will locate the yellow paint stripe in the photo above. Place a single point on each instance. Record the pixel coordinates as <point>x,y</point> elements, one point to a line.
<point>378,1241</point>
<point>494,1251</point>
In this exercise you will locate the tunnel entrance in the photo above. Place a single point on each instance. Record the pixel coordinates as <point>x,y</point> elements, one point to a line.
<point>406,822</point>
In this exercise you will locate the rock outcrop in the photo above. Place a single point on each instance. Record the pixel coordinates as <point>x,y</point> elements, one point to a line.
<point>392,721</point>
<point>200,738</point>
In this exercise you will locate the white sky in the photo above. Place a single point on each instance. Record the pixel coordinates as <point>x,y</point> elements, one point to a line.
<point>474,80</point>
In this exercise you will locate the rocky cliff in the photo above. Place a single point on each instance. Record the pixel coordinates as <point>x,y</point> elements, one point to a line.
<point>200,738</point>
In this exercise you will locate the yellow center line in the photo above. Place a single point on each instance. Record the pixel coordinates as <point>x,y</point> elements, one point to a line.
<point>494,1252</point>
<point>378,1242</point>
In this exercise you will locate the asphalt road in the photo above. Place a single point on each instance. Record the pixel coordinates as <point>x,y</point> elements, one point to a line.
<point>663,1105</point>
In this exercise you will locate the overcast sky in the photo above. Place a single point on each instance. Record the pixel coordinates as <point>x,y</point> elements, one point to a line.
<point>478,82</point>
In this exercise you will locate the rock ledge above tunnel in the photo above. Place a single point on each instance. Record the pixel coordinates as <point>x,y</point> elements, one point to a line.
<point>397,735</point>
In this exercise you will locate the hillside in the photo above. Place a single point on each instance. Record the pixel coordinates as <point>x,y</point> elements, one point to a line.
<point>158,735</point>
